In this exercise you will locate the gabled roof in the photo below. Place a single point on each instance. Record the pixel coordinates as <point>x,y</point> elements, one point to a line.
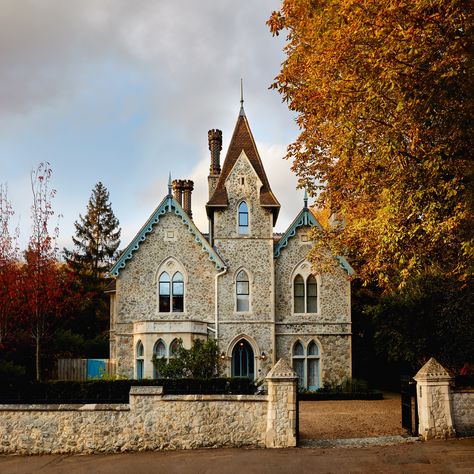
<point>168,205</point>
<point>306,219</point>
<point>242,139</point>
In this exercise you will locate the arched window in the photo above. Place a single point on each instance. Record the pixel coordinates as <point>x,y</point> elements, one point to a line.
<point>164,289</point>
<point>171,293</point>
<point>306,365</point>
<point>159,351</point>
<point>298,362</point>
<point>242,290</point>
<point>174,347</point>
<point>178,293</point>
<point>243,218</point>
<point>305,294</point>
<point>243,360</point>
<point>140,360</point>
<point>313,366</point>
<point>298,291</point>
<point>311,295</point>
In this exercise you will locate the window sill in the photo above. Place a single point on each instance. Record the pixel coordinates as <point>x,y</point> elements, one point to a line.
<point>299,315</point>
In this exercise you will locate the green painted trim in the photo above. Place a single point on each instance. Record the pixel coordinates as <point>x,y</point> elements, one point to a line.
<point>168,205</point>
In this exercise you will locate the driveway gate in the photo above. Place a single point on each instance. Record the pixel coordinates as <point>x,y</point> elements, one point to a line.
<point>409,405</point>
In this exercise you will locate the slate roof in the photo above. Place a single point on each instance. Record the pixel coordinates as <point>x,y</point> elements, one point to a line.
<point>242,139</point>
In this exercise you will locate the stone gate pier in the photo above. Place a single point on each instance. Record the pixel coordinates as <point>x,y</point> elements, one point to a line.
<point>444,411</point>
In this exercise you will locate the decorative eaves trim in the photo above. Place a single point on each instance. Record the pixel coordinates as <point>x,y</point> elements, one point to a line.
<point>345,264</point>
<point>168,205</point>
<point>306,218</point>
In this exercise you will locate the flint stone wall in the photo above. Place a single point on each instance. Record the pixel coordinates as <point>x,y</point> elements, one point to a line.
<point>155,421</point>
<point>150,421</point>
<point>463,411</point>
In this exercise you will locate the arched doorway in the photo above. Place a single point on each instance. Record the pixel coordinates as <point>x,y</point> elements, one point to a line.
<point>243,360</point>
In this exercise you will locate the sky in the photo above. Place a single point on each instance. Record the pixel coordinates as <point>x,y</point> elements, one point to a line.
<point>124,92</point>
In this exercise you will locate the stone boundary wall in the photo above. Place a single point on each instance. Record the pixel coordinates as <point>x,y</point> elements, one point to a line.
<point>154,421</point>
<point>463,411</point>
<point>443,411</point>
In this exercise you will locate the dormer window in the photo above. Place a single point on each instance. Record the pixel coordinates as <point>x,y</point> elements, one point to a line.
<point>243,218</point>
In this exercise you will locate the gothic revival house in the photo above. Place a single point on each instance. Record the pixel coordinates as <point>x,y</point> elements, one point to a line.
<point>241,284</point>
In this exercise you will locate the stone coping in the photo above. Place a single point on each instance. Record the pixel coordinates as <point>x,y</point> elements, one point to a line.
<point>217,398</point>
<point>463,390</point>
<point>66,407</point>
<point>140,390</point>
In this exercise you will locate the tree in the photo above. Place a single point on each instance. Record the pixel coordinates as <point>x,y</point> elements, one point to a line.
<point>202,361</point>
<point>9,269</point>
<point>429,317</point>
<point>46,286</point>
<point>383,93</point>
<point>97,236</point>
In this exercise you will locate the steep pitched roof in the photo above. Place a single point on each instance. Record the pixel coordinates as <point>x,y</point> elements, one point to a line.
<point>306,219</point>
<point>167,205</point>
<point>242,139</point>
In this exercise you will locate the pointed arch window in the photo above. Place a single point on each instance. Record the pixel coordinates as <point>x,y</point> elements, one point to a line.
<point>178,293</point>
<point>243,218</point>
<point>174,348</point>
<point>159,351</point>
<point>306,365</point>
<point>140,353</point>
<point>305,294</point>
<point>242,289</point>
<point>243,360</point>
<point>298,362</point>
<point>171,293</point>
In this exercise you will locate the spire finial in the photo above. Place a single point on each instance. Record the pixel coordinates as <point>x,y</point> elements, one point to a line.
<point>170,185</point>
<point>242,97</point>
<point>305,199</point>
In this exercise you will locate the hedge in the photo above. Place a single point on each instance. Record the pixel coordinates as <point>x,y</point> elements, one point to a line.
<point>116,391</point>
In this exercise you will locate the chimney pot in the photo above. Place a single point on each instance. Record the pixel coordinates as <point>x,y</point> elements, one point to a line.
<point>188,187</point>
<point>215,146</point>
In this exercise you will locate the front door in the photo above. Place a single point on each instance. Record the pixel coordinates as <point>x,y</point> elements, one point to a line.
<point>243,361</point>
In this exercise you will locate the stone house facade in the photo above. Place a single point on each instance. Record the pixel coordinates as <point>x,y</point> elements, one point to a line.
<point>252,290</point>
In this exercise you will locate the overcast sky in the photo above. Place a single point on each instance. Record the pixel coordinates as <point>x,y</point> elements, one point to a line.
<point>124,92</point>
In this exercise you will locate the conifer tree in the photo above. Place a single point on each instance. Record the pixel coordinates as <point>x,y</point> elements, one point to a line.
<point>97,236</point>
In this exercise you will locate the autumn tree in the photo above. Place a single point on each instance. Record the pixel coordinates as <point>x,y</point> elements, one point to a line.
<point>9,268</point>
<point>383,92</point>
<point>97,236</point>
<point>46,285</point>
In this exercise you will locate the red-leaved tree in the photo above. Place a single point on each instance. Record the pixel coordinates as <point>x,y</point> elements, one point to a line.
<point>9,269</point>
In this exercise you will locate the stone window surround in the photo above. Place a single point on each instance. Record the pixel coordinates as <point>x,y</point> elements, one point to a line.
<point>253,345</point>
<point>170,265</point>
<point>250,277</point>
<point>305,356</point>
<point>304,270</point>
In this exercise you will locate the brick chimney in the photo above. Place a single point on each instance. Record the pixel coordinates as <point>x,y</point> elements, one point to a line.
<point>178,190</point>
<point>187,187</point>
<point>215,146</point>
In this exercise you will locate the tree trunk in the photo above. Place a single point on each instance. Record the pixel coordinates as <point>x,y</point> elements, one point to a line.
<point>38,374</point>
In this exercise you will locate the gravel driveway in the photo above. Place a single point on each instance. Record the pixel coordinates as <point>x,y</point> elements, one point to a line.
<point>351,419</point>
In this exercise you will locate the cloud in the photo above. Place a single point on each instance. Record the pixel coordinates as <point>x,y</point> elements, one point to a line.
<point>125,91</point>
